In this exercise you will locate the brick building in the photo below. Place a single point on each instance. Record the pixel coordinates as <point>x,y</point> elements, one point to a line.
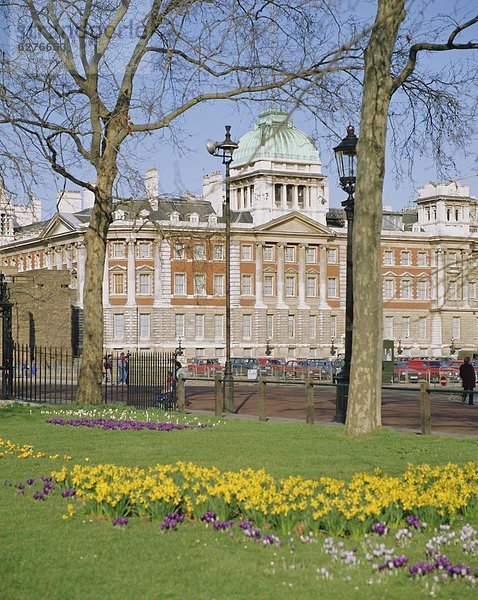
<point>164,276</point>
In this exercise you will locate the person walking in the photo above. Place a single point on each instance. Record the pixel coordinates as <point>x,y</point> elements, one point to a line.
<point>106,368</point>
<point>468,379</point>
<point>122,368</point>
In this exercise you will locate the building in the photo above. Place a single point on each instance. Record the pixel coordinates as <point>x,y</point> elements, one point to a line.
<point>164,277</point>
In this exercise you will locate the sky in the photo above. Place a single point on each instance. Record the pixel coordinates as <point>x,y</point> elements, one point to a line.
<point>182,165</point>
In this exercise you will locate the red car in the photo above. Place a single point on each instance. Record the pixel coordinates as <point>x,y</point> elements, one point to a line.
<point>204,367</point>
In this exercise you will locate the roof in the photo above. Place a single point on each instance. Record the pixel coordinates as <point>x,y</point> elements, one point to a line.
<point>275,137</point>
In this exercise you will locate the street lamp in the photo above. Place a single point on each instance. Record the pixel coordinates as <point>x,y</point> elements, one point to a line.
<point>333,349</point>
<point>269,348</point>
<point>452,346</point>
<point>179,349</point>
<point>225,150</point>
<point>346,157</point>
<point>399,347</point>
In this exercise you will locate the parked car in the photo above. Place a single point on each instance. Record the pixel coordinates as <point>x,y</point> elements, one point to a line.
<point>204,367</point>
<point>240,365</point>
<point>403,373</point>
<point>431,370</point>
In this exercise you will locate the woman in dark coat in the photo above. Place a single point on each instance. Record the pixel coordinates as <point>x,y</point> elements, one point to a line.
<point>468,379</point>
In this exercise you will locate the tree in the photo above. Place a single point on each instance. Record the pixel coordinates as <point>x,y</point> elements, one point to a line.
<point>87,79</point>
<point>379,85</point>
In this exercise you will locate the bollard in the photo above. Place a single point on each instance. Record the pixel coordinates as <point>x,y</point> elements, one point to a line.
<point>181,394</point>
<point>309,400</point>
<point>425,408</point>
<point>262,398</point>
<point>218,396</point>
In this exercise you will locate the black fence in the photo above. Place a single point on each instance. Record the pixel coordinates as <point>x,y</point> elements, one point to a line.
<point>50,375</point>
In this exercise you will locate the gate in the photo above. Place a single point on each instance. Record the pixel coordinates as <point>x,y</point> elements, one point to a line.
<point>7,342</point>
<point>151,381</point>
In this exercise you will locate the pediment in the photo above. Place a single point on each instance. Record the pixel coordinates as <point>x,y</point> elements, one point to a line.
<point>57,226</point>
<point>296,223</point>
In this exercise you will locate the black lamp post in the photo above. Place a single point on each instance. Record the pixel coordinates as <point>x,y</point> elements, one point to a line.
<point>452,346</point>
<point>179,349</point>
<point>225,150</point>
<point>269,348</point>
<point>399,347</point>
<point>333,349</point>
<point>346,157</point>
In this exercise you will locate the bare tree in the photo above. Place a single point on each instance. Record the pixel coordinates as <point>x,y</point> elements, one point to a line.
<point>383,77</point>
<point>87,78</point>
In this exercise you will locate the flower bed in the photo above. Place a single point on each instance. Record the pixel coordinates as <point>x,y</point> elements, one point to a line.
<point>124,425</point>
<point>7,447</point>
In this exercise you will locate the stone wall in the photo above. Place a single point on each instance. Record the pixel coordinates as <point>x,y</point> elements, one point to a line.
<point>42,308</point>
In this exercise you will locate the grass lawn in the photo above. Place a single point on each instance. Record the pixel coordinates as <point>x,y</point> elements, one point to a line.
<point>42,555</point>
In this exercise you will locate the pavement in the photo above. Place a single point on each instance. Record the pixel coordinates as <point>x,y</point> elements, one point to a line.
<point>400,406</point>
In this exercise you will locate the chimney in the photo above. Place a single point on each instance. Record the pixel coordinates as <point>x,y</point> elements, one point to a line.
<point>69,201</point>
<point>151,183</point>
<point>88,198</point>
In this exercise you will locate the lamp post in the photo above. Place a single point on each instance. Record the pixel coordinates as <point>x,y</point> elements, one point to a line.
<point>346,157</point>
<point>179,349</point>
<point>399,347</point>
<point>452,346</point>
<point>225,150</point>
<point>269,348</point>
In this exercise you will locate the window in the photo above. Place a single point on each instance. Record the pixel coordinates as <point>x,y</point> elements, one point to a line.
<point>312,327</point>
<point>422,328</point>
<point>199,252</point>
<point>268,285</point>
<point>452,290</point>
<point>144,250</point>
<point>118,250</point>
<point>246,285</point>
<point>246,252</point>
<point>289,254</point>
<point>291,326</point>
<point>405,289</point>
<point>199,327</point>
<point>218,252</point>
<point>405,327</point>
<point>422,290</point>
<point>472,290</point>
<point>144,326</point>
<point>451,258</point>
<point>333,326</point>
<point>218,281</point>
<point>332,256</point>
<point>405,258</point>
<point>388,328</point>
<point>247,327</point>
<point>422,259</point>
<point>180,284</point>
<point>388,257</point>
<point>179,251</point>
<point>331,287</point>
<point>311,289</point>
<point>456,328</point>
<point>179,326</point>
<point>194,218</point>
<point>118,326</point>
<point>199,284</point>
<point>388,288</point>
<point>310,255</point>
<point>3,224</point>
<point>290,283</point>
<point>145,284</point>
<point>300,196</point>
<point>268,253</point>
<point>118,283</point>
<point>278,194</point>
<point>218,327</point>
<point>269,326</point>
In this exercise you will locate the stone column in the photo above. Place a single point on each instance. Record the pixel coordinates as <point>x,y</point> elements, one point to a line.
<point>157,274</point>
<point>131,277</point>
<point>440,277</point>
<point>465,275</point>
<point>280,276</point>
<point>284,196</point>
<point>295,197</point>
<point>322,276</point>
<point>259,275</point>
<point>302,276</point>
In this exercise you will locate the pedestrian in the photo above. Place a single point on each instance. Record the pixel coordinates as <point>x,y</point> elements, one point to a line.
<point>468,379</point>
<point>122,368</point>
<point>106,368</point>
<point>180,371</point>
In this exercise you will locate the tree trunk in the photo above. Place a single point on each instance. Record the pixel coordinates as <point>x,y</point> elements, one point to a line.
<point>364,407</point>
<point>89,388</point>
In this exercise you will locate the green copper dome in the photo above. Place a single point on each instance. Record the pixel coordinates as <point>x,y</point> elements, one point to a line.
<point>274,137</point>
